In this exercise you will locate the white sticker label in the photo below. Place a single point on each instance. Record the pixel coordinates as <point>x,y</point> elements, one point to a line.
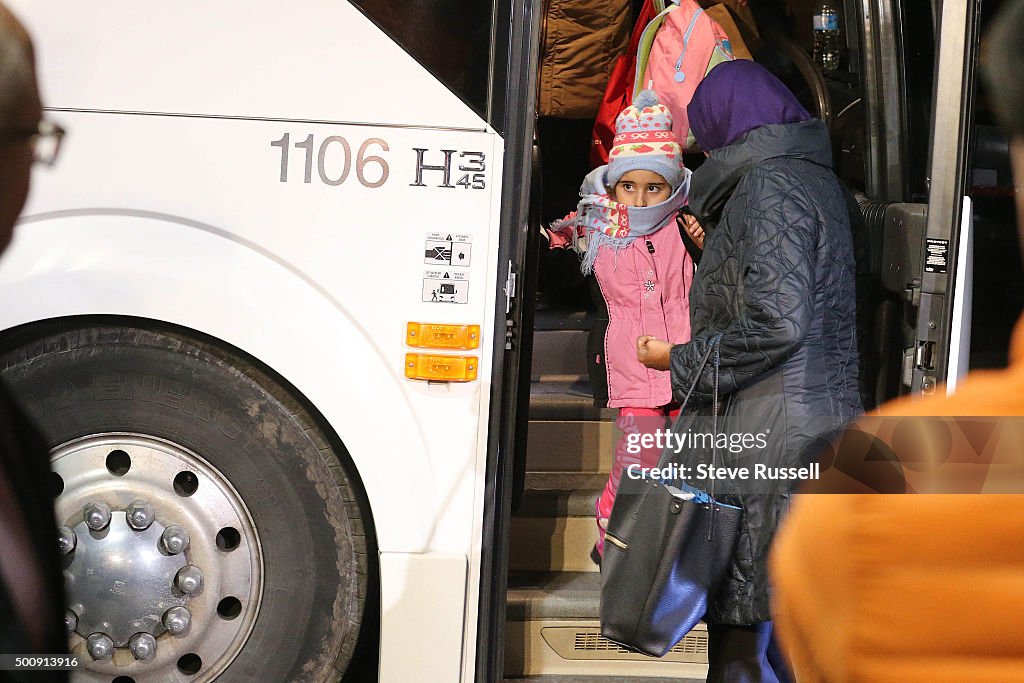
<point>446,274</point>
<point>447,249</point>
<point>460,253</point>
<point>445,291</point>
<point>439,253</point>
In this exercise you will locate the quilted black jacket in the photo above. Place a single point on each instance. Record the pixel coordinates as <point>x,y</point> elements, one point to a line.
<point>776,280</point>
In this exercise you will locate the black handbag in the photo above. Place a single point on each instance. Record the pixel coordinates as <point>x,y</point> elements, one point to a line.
<point>666,551</point>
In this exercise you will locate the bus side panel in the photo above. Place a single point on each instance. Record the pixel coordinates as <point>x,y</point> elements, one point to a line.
<point>307,59</point>
<point>379,254</point>
<point>155,268</point>
<point>421,632</point>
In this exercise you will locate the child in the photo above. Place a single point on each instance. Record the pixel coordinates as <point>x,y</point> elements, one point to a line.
<point>626,231</point>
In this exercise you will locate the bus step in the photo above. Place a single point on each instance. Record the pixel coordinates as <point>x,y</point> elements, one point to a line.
<point>559,353</point>
<point>598,679</point>
<point>571,446</point>
<point>554,531</point>
<point>562,399</point>
<point>552,628</point>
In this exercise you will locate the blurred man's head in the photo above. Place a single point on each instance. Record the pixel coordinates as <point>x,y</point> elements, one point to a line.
<point>1004,58</point>
<point>20,112</point>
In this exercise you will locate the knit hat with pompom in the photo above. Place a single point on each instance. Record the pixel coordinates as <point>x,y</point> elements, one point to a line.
<point>644,141</point>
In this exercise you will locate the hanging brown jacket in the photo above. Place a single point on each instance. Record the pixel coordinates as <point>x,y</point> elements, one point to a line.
<point>581,41</point>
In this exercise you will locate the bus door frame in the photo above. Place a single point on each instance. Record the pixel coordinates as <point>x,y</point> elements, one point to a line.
<point>513,96</point>
<point>942,339</point>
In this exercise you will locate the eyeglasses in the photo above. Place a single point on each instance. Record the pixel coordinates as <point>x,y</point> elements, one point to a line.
<point>45,140</point>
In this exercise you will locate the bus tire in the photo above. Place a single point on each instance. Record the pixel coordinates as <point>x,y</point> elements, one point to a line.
<point>168,386</point>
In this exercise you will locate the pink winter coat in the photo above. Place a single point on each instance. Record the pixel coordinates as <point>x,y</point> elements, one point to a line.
<point>646,294</point>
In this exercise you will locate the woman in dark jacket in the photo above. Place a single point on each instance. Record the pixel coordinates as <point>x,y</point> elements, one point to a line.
<point>776,282</point>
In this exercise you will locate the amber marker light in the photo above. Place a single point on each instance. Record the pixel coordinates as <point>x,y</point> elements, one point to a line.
<point>442,336</point>
<point>441,368</point>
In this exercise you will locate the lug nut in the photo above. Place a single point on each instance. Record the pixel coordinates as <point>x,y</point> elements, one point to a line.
<point>97,515</point>
<point>176,620</point>
<point>189,580</point>
<point>99,645</point>
<point>142,645</point>
<point>66,540</point>
<point>140,515</point>
<point>70,621</point>
<point>174,539</point>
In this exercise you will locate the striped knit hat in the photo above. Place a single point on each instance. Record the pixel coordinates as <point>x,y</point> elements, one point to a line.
<point>644,140</point>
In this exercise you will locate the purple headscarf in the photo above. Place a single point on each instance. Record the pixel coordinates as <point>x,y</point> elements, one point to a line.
<point>737,97</point>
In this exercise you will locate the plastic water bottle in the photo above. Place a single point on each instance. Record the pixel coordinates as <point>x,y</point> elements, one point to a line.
<point>826,37</point>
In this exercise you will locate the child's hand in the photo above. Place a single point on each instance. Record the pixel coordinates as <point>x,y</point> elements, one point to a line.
<point>653,352</point>
<point>692,228</point>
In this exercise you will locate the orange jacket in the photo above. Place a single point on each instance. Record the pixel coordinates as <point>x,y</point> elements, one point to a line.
<point>909,588</point>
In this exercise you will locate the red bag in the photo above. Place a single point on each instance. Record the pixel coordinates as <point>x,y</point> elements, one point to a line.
<point>619,93</point>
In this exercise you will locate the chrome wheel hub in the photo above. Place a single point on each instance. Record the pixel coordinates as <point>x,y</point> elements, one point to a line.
<point>119,581</point>
<point>162,562</point>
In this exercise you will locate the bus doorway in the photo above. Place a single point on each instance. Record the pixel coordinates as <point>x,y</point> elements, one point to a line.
<point>916,189</point>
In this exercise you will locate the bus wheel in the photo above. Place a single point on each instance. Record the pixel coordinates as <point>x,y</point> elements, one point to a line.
<point>209,529</point>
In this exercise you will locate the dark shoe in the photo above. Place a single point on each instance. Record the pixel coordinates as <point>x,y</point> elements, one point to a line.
<point>595,556</point>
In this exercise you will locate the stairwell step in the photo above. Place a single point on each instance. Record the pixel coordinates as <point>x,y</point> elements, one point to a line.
<point>553,595</point>
<point>576,648</point>
<point>565,481</point>
<point>553,399</point>
<point>557,503</point>
<point>571,446</point>
<point>555,317</point>
<point>552,544</point>
<point>599,679</point>
<point>559,352</point>
<point>553,628</point>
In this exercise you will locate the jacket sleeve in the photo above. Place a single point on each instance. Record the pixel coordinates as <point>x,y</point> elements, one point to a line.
<point>780,232</point>
<point>559,234</point>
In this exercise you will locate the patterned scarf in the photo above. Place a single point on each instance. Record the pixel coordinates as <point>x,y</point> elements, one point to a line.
<point>600,221</point>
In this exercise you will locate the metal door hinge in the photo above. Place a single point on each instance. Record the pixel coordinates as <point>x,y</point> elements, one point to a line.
<point>924,357</point>
<point>908,367</point>
<point>510,288</point>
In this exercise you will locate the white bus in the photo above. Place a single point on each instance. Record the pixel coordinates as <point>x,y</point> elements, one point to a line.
<point>273,310</point>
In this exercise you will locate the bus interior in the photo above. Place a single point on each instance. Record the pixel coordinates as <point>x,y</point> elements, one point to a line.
<point>882,150</point>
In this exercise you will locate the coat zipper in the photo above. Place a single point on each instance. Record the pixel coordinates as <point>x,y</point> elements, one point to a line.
<point>680,76</point>
<point>654,267</point>
<point>654,261</point>
<point>604,342</point>
<point>615,541</point>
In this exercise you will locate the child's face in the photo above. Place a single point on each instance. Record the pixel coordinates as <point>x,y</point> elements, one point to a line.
<point>641,188</point>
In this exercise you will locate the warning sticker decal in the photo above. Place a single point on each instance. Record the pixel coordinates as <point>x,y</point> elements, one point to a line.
<point>937,256</point>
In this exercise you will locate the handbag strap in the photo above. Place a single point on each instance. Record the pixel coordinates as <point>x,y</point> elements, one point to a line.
<point>714,444</point>
<point>711,351</point>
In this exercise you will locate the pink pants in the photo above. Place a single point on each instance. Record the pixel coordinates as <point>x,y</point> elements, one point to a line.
<point>630,421</point>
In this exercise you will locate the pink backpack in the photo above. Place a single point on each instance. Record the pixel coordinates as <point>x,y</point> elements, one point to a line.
<point>677,49</point>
